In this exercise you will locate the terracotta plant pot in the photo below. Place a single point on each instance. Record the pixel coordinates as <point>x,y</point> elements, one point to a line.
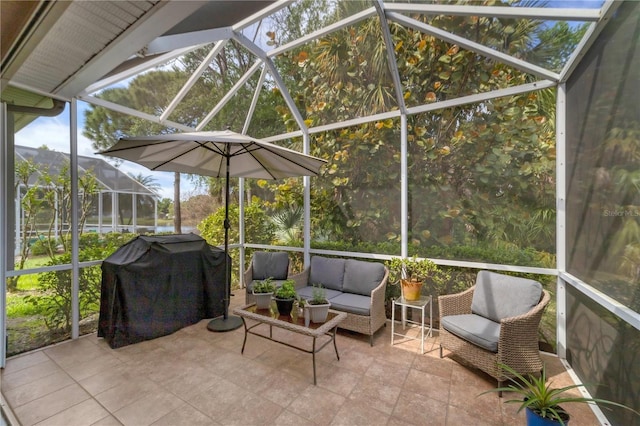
<point>411,289</point>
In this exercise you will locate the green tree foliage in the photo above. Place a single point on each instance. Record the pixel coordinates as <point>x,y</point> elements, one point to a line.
<point>54,302</point>
<point>164,207</point>
<point>30,205</point>
<point>478,174</point>
<point>258,229</point>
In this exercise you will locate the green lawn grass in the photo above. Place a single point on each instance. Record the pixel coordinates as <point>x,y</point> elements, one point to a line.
<point>17,306</point>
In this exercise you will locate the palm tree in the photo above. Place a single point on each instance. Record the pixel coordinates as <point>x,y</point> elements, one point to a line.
<point>147,181</point>
<point>288,224</point>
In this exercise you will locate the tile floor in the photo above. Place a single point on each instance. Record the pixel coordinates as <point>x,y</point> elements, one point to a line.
<point>196,377</point>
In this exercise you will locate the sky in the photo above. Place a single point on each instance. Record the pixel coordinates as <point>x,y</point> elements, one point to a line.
<point>55,134</point>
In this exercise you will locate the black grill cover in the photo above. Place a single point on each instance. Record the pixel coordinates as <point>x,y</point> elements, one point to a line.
<point>155,285</point>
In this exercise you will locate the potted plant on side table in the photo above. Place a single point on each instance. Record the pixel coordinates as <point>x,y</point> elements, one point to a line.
<point>263,290</point>
<point>285,295</point>
<point>543,402</point>
<point>410,273</point>
<point>318,305</point>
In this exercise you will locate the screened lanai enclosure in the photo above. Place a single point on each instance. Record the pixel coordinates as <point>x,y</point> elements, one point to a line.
<point>500,135</point>
<point>109,199</point>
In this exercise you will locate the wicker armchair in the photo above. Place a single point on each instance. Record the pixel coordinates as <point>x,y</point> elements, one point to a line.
<point>265,265</point>
<point>494,322</point>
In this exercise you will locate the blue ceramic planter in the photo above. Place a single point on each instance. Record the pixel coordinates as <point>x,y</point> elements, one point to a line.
<point>534,419</point>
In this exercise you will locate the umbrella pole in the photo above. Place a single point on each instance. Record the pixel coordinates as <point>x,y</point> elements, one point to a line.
<point>226,323</point>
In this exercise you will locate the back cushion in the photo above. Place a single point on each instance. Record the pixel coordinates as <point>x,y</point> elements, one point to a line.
<point>326,271</point>
<point>498,296</point>
<point>362,277</point>
<point>268,264</point>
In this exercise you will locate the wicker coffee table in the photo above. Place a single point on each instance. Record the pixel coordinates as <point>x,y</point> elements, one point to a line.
<point>271,318</point>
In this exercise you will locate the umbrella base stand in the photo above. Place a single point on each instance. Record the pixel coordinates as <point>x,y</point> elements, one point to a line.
<point>222,324</point>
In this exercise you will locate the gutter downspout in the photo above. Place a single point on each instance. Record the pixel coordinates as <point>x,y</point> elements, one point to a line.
<point>57,108</point>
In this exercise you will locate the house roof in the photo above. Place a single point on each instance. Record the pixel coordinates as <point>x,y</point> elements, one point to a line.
<point>110,178</point>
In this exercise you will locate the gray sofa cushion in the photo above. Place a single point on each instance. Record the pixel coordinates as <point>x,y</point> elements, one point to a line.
<point>270,264</point>
<point>352,303</point>
<point>362,277</point>
<point>307,292</point>
<point>326,271</point>
<point>475,329</point>
<point>499,296</point>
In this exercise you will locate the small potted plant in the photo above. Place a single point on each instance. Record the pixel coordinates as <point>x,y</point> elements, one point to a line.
<point>318,305</point>
<point>410,273</point>
<point>541,401</point>
<point>263,290</point>
<point>285,295</point>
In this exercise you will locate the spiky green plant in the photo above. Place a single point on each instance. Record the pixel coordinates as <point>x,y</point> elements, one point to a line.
<point>541,398</point>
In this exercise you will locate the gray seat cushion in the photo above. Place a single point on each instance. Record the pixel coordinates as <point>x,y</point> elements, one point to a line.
<point>326,271</point>
<point>499,296</point>
<point>362,277</point>
<point>270,264</point>
<point>475,329</point>
<point>307,292</point>
<point>352,303</point>
<point>277,283</point>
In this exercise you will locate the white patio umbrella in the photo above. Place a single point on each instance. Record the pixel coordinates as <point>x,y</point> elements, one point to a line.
<point>217,154</point>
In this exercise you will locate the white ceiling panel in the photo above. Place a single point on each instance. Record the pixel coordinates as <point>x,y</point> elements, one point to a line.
<point>80,34</point>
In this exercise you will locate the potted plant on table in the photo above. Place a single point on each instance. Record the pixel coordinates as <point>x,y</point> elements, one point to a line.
<point>263,290</point>
<point>285,295</point>
<point>318,305</point>
<point>410,273</point>
<point>541,401</point>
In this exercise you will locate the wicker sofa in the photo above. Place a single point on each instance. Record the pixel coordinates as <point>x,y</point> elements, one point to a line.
<point>495,322</point>
<point>353,286</point>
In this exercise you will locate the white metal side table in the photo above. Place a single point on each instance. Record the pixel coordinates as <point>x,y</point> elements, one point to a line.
<point>419,305</point>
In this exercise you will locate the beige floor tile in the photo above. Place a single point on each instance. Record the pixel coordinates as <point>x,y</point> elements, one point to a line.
<point>359,414</point>
<point>148,409</point>
<point>457,416</point>
<point>375,394</point>
<point>281,388</point>
<point>192,381</point>
<point>50,404</point>
<point>20,362</point>
<point>106,379</point>
<point>184,415</point>
<point>23,376</point>
<point>251,410</point>
<point>197,377</point>
<point>217,400</point>
<point>101,362</point>
<point>37,389</point>
<point>317,405</point>
<point>86,413</point>
<point>338,380</point>
<point>75,352</point>
<point>287,418</point>
<point>419,410</point>
<point>110,420</point>
<point>125,393</point>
